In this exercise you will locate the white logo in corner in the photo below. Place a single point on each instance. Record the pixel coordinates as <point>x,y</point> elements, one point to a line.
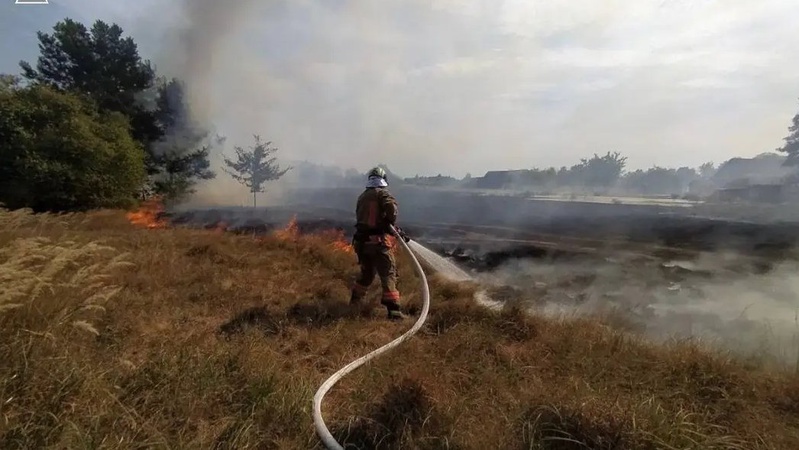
<point>31,2</point>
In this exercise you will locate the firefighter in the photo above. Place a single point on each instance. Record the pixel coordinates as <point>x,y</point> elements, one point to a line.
<point>375,212</point>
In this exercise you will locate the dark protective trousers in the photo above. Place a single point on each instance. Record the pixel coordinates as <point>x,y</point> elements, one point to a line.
<point>377,257</point>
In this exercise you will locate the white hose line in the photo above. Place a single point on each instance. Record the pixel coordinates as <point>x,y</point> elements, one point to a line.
<point>319,423</point>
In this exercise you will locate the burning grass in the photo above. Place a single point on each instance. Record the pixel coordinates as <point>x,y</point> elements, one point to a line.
<point>114,336</point>
<point>149,215</point>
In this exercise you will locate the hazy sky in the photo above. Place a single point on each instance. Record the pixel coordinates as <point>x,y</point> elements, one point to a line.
<point>468,86</point>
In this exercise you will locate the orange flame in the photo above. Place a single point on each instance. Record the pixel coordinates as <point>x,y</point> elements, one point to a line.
<point>338,241</point>
<point>336,238</point>
<point>343,247</point>
<point>291,231</point>
<point>220,227</point>
<point>149,214</point>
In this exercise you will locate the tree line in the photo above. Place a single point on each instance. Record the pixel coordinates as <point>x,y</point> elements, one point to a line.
<point>597,172</point>
<point>608,174</point>
<point>92,125</point>
<point>608,171</point>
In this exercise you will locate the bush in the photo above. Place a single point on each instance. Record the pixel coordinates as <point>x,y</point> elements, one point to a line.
<point>57,153</point>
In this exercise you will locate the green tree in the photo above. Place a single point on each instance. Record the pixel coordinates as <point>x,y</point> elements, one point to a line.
<point>8,82</point>
<point>599,171</point>
<point>59,153</point>
<point>181,156</point>
<point>791,147</point>
<point>105,66</point>
<point>254,167</point>
<point>707,170</point>
<point>102,64</point>
<point>654,181</point>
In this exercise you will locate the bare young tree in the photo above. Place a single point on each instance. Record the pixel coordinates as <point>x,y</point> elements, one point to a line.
<point>255,166</point>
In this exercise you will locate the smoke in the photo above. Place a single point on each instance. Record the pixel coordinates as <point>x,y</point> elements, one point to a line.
<point>197,36</point>
<point>731,301</point>
<point>452,87</point>
<point>727,300</point>
<point>198,42</point>
<point>740,297</point>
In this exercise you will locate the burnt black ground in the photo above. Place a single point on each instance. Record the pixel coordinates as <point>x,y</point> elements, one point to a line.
<point>508,216</point>
<point>483,246</point>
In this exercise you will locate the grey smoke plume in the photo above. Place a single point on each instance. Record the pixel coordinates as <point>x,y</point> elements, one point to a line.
<point>718,298</point>
<point>199,39</point>
<point>456,87</point>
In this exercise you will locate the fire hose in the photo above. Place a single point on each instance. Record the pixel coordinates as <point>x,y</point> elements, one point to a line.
<point>319,423</point>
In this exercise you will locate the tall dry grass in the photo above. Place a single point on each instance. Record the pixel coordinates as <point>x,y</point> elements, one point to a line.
<point>116,337</point>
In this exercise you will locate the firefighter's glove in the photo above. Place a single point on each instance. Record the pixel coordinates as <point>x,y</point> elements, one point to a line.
<point>402,234</point>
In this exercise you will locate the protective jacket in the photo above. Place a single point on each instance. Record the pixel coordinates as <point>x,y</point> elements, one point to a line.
<point>375,211</point>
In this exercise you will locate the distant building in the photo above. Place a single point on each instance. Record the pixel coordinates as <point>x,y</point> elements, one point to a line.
<point>438,180</point>
<point>499,179</point>
<point>755,193</point>
<point>765,169</point>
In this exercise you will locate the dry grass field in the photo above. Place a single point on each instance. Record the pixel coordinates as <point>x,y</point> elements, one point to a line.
<point>121,336</point>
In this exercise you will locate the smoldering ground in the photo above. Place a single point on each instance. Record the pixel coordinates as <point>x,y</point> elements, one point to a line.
<point>728,300</point>
<point>743,302</point>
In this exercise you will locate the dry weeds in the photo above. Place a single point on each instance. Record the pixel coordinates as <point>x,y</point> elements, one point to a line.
<point>118,337</point>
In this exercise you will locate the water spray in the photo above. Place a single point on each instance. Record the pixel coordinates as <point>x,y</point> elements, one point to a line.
<point>319,423</point>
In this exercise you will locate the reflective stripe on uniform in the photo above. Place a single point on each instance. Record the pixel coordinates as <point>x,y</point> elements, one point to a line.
<point>372,221</point>
<point>391,295</point>
<point>359,289</point>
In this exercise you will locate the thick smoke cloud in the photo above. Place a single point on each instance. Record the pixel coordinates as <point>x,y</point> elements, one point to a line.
<point>506,83</point>
<point>201,35</point>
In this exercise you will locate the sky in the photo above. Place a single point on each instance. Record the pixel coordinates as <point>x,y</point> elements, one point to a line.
<point>456,87</point>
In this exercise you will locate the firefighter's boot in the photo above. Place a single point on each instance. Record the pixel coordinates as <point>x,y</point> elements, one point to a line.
<point>393,309</point>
